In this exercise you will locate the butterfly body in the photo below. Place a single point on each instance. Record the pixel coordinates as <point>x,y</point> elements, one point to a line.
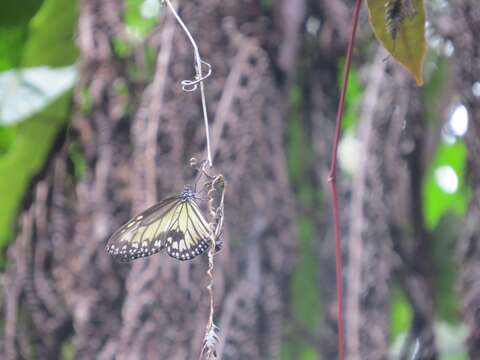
<point>175,224</point>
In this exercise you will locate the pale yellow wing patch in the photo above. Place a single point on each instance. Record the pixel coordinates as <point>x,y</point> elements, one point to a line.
<point>189,235</point>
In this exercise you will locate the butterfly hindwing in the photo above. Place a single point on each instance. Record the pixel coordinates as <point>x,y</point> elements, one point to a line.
<point>189,235</point>
<point>144,235</point>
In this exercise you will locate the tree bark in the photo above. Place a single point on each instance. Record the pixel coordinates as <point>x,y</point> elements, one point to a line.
<point>135,144</point>
<point>465,17</point>
<point>386,217</point>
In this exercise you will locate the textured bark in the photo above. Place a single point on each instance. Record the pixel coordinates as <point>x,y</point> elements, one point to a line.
<point>369,241</point>
<point>317,71</point>
<point>386,217</point>
<point>317,76</point>
<point>412,242</point>
<point>61,285</point>
<point>465,15</point>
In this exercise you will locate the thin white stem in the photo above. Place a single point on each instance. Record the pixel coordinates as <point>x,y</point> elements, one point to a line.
<point>198,77</point>
<point>416,349</point>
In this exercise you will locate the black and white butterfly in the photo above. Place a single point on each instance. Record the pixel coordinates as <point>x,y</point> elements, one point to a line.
<point>175,223</point>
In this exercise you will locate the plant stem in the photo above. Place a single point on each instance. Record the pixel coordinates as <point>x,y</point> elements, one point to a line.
<point>198,78</point>
<point>333,184</point>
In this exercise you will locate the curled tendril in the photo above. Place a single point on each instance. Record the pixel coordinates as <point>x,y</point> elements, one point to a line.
<point>192,85</point>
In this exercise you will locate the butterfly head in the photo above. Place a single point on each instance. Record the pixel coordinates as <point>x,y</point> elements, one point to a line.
<point>188,193</point>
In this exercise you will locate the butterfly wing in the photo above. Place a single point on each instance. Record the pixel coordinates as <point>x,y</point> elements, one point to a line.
<point>188,236</point>
<point>145,234</point>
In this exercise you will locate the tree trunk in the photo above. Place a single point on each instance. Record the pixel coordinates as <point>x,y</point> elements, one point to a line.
<point>135,140</point>
<point>466,19</point>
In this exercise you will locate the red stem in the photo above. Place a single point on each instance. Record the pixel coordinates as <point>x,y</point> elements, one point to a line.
<point>333,184</point>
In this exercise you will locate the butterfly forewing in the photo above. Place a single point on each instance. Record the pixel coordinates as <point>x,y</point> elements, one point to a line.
<point>144,235</point>
<point>176,224</point>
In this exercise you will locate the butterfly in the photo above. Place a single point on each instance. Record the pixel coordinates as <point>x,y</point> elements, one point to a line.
<point>175,223</point>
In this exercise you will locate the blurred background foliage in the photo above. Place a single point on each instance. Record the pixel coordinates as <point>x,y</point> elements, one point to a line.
<point>445,198</point>
<point>32,115</point>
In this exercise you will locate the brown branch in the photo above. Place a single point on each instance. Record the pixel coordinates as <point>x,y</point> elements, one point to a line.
<point>332,179</point>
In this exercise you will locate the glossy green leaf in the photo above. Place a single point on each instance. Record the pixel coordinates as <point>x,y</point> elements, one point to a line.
<point>25,146</point>
<point>25,157</point>
<point>407,45</point>
<point>26,91</point>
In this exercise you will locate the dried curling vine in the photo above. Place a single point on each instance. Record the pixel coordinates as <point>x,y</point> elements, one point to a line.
<point>215,186</point>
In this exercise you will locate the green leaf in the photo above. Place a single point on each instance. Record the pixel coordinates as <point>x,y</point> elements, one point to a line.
<point>437,199</point>
<point>25,158</point>
<point>51,35</point>
<point>407,45</point>
<point>78,160</point>
<point>141,17</point>
<point>49,42</point>
<point>68,350</point>
<point>13,12</point>
<point>12,42</point>
<point>26,91</point>
<point>7,137</point>
<point>434,89</point>
<point>354,95</point>
<point>400,314</point>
